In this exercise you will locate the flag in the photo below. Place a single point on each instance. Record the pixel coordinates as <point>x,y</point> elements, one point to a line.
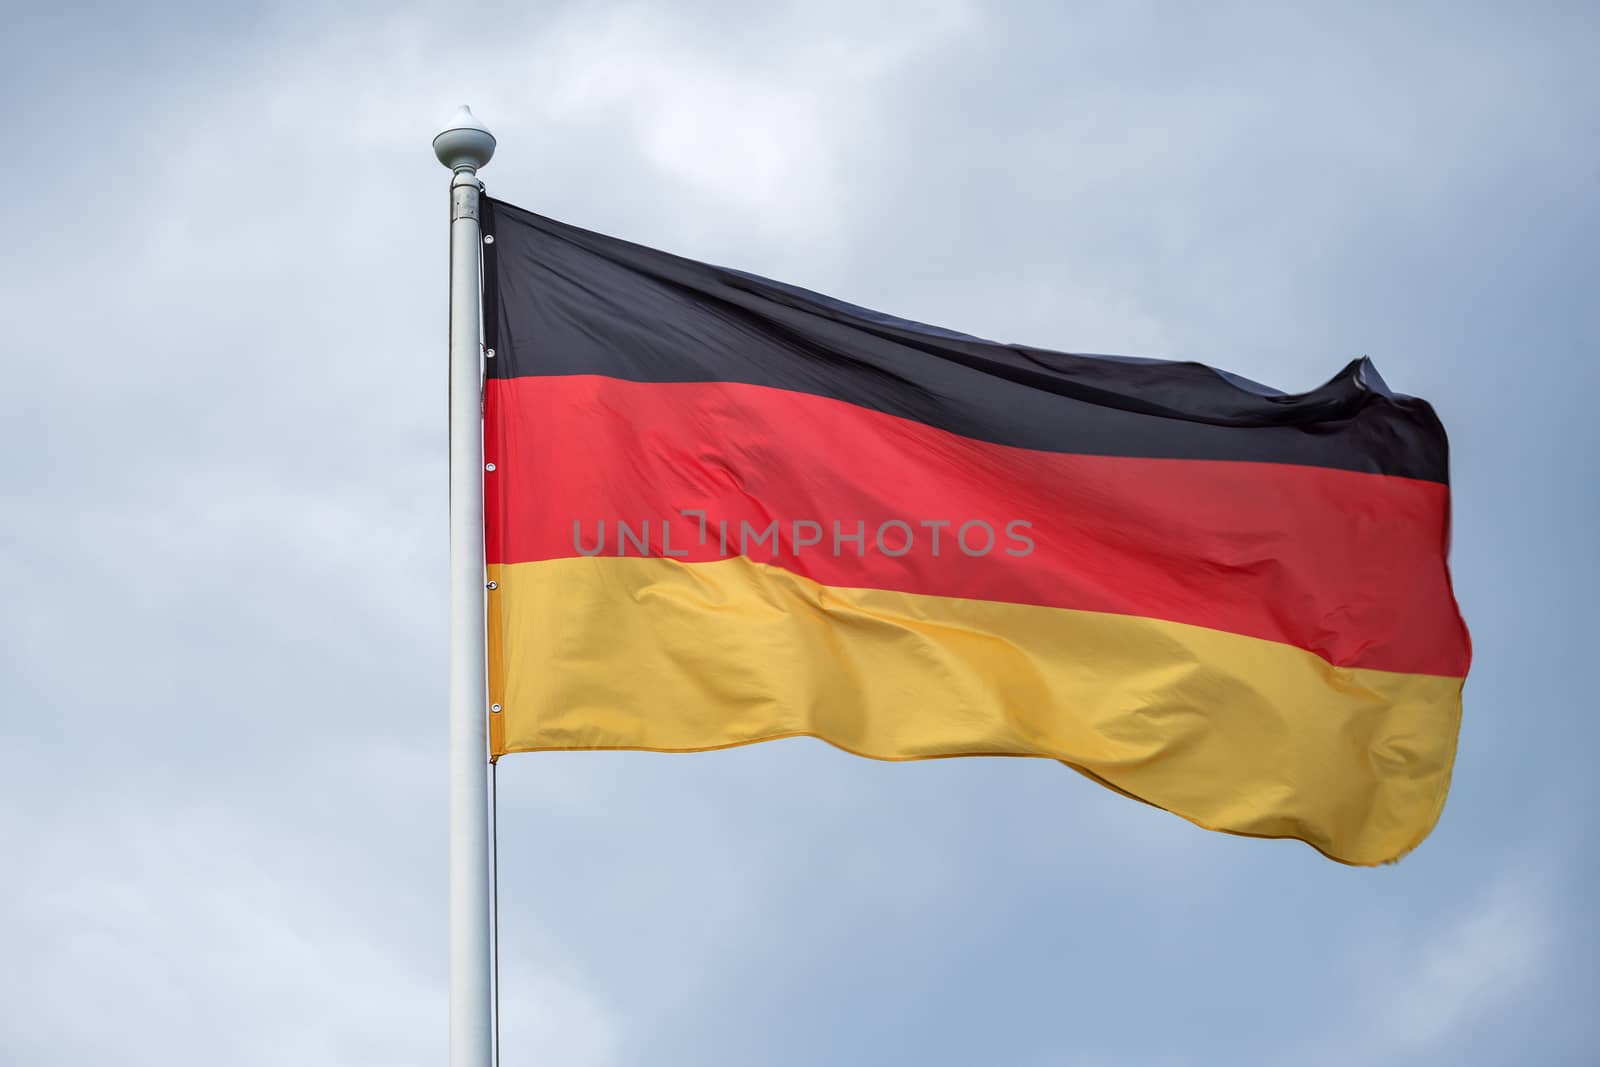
<point>720,509</point>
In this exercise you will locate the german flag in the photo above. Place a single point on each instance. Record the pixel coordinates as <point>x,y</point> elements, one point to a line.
<point>722,510</point>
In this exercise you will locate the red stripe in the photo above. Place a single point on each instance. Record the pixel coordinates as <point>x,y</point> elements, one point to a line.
<point>1347,565</point>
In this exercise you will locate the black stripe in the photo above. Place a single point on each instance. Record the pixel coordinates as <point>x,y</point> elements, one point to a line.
<point>570,301</point>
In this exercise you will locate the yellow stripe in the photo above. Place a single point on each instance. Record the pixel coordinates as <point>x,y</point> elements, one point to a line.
<point>1233,733</point>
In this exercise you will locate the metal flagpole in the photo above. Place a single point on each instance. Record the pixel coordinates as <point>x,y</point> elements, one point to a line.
<point>464,146</point>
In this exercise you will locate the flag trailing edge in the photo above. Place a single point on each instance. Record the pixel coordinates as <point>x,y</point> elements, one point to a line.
<point>722,510</point>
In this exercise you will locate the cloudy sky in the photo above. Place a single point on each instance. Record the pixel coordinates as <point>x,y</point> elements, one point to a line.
<point>222,525</point>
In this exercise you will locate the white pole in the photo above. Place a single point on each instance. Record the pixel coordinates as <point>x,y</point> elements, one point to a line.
<point>464,146</point>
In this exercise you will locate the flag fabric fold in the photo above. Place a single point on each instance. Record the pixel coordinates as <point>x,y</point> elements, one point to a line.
<point>722,510</point>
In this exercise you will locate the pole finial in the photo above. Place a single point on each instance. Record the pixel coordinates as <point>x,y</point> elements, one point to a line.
<point>464,143</point>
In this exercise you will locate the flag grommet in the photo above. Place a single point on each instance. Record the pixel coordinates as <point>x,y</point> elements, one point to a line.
<point>488,238</point>
<point>489,353</point>
<point>494,708</point>
<point>492,585</point>
<point>489,467</point>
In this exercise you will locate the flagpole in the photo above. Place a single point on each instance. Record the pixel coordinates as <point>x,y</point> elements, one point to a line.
<point>464,146</point>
